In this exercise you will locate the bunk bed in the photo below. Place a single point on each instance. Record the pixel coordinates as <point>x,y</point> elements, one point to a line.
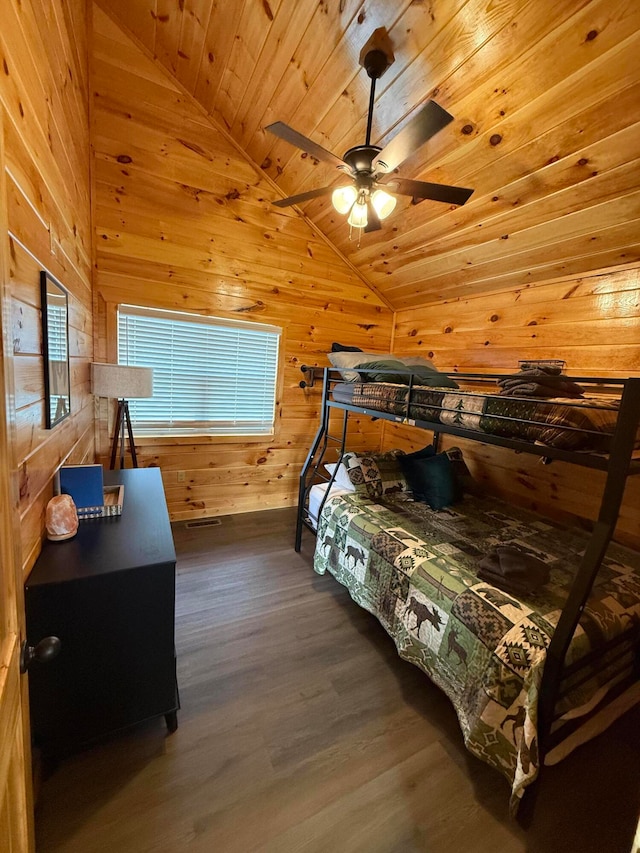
<point>530,674</point>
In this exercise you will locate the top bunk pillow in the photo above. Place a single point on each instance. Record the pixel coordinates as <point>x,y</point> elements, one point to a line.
<point>422,369</point>
<point>384,370</point>
<point>336,347</point>
<point>412,360</point>
<point>423,375</point>
<point>349,360</point>
<point>348,357</point>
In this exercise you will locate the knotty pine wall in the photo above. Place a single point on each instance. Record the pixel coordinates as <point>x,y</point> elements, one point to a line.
<point>44,103</point>
<point>184,221</point>
<point>544,97</point>
<point>592,322</point>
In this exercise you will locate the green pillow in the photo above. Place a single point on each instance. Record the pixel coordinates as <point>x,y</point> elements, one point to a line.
<point>380,371</point>
<point>431,479</point>
<point>423,453</point>
<point>424,375</point>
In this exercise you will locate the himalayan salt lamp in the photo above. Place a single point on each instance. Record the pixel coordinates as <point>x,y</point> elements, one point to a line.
<point>61,518</point>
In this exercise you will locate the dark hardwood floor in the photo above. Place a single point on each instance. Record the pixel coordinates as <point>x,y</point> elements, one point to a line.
<point>301,730</point>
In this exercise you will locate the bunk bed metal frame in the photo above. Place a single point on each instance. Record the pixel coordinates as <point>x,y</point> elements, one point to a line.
<point>618,465</point>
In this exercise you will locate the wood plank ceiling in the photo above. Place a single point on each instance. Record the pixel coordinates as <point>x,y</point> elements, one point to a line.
<point>545,96</point>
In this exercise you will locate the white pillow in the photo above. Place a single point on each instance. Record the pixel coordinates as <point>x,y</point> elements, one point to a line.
<point>350,359</point>
<point>415,360</point>
<point>342,476</point>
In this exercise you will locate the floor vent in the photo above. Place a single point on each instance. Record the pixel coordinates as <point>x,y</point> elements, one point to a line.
<point>203,522</point>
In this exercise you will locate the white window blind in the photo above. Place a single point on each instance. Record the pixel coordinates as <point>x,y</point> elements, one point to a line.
<point>57,326</point>
<point>210,375</point>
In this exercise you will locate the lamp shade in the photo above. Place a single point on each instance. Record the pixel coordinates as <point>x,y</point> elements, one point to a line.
<point>121,381</point>
<point>383,203</point>
<point>358,217</point>
<point>344,198</point>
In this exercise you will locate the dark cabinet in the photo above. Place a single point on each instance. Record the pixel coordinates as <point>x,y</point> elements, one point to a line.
<point>109,595</point>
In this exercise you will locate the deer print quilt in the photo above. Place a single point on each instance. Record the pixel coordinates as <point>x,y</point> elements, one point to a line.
<point>416,570</point>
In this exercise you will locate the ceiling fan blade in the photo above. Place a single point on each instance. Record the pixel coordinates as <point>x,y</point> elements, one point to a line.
<point>431,118</point>
<point>373,220</point>
<point>296,199</point>
<point>279,128</point>
<point>423,189</point>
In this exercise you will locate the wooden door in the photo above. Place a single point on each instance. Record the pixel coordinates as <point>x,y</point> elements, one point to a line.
<point>16,807</point>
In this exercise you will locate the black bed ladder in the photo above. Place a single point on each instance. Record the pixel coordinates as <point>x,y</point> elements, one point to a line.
<point>312,469</point>
<point>622,447</point>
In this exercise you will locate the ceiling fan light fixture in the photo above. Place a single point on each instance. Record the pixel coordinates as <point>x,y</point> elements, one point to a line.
<point>370,166</point>
<point>383,203</point>
<point>358,217</point>
<point>344,198</point>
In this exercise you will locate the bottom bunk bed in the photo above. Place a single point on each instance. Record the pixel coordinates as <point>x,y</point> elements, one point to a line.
<point>416,570</point>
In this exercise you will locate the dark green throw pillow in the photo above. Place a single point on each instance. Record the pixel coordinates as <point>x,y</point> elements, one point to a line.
<point>423,375</point>
<point>384,371</point>
<point>431,479</point>
<point>423,453</point>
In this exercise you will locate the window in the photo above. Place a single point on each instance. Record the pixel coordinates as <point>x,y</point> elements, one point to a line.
<point>210,376</point>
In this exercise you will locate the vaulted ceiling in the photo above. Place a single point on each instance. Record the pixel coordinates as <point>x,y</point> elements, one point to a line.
<point>545,98</point>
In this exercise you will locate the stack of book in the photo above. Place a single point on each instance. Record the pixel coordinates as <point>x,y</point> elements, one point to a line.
<point>84,483</point>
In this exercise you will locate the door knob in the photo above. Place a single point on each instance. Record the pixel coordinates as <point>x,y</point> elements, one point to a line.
<point>47,649</point>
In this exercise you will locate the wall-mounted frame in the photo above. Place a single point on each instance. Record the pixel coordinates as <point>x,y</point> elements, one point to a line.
<point>55,349</point>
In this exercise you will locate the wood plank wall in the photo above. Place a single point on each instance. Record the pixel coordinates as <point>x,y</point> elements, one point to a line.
<point>544,97</point>
<point>545,100</point>
<point>44,97</point>
<point>592,322</point>
<point>184,221</point>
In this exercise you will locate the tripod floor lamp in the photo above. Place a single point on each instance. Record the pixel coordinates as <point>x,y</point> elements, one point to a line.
<point>122,383</point>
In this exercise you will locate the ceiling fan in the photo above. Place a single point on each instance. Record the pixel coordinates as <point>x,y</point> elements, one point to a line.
<point>369,197</point>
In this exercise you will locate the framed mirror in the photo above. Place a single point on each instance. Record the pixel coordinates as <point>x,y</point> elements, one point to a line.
<point>55,349</point>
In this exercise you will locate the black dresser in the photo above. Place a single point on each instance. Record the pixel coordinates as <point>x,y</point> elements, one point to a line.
<point>109,595</point>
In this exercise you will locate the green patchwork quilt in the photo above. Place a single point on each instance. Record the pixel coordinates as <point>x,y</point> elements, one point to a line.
<point>583,424</point>
<point>415,569</point>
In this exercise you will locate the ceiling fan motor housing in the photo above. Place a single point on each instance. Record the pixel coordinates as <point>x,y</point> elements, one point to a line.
<point>360,159</point>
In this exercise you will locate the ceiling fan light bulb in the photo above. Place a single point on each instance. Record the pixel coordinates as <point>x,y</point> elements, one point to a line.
<point>343,198</point>
<point>383,203</point>
<point>358,217</point>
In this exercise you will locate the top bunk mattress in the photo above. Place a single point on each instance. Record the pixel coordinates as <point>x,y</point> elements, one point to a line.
<point>568,424</point>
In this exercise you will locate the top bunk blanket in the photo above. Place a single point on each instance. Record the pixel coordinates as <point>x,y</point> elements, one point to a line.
<point>416,570</point>
<point>568,424</point>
